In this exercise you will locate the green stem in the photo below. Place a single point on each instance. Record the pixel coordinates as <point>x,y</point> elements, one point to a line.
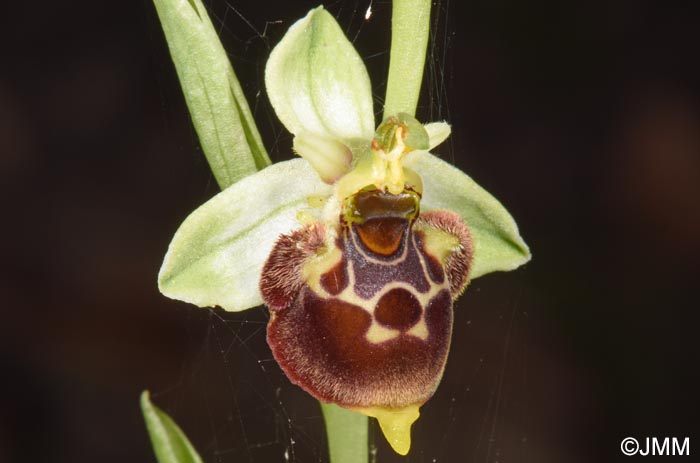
<point>347,434</point>
<point>410,25</point>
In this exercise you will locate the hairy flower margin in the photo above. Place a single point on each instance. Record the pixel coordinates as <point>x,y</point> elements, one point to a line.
<point>297,216</point>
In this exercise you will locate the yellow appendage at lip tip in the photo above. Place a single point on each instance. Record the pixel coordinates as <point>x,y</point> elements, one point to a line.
<point>395,424</point>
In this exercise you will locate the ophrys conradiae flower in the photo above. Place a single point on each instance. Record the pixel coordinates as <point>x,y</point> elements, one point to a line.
<point>359,248</point>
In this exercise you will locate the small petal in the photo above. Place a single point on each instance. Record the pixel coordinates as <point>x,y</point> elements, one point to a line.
<point>329,157</point>
<point>217,254</point>
<point>437,133</point>
<point>318,83</point>
<point>497,242</point>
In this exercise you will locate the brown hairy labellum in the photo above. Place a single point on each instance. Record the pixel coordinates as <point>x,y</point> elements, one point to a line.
<point>362,317</point>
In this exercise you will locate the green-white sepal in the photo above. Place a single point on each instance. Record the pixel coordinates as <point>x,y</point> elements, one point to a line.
<point>170,444</point>
<point>497,242</point>
<point>217,254</point>
<point>317,83</point>
<point>220,113</point>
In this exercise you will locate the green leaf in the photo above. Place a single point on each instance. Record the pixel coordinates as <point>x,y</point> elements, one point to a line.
<point>169,442</point>
<point>317,82</point>
<point>219,110</point>
<point>347,434</point>
<point>497,242</point>
<point>217,254</point>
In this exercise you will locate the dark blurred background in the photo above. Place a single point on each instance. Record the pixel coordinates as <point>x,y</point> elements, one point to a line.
<point>583,118</point>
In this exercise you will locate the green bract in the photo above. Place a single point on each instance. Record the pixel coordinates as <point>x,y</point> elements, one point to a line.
<point>219,110</point>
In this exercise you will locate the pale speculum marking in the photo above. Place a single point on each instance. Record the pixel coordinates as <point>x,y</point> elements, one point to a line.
<point>394,289</point>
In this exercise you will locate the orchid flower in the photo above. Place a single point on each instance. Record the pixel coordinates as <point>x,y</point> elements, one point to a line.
<point>358,247</point>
